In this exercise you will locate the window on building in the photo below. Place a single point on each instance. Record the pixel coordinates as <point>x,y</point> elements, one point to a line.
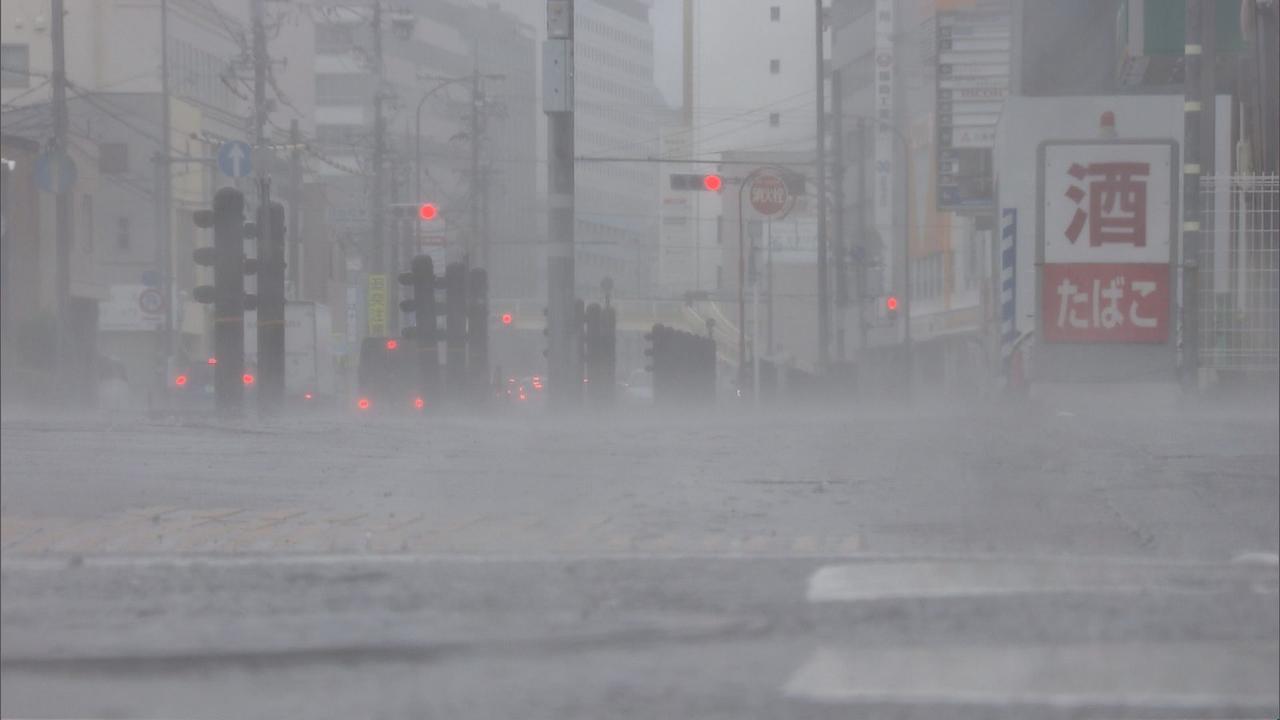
<point>333,37</point>
<point>775,13</point>
<point>123,238</point>
<point>15,66</point>
<point>86,219</point>
<point>113,158</point>
<point>775,66</point>
<point>775,119</point>
<point>341,88</point>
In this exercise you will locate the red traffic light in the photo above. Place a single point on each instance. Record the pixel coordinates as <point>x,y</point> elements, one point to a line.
<point>427,211</point>
<point>363,403</point>
<point>392,344</point>
<point>180,380</point>
<point>419,403</point>
<point>506,318</point>
<point>891,303</point>
<point>248,379</point>
<point>712,183</point>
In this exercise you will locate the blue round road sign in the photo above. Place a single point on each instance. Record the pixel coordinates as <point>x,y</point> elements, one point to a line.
<point>234,158</point>
<point>151,301</point>
<point>55,172</point>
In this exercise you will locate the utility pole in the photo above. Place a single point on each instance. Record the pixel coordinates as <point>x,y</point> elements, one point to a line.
<point>837,179</point>
<point>259,79</point>
<point>62,196</point>
<point>476,247</point>
<point>271,253</point>
<point>377,209</point>
<point>1197,145</point>
<point>860,266</point>
<point>395,254</point>
<point>295,209</point>
<point>165,198</point>
<point>820,169</point>
<point>562,357</point>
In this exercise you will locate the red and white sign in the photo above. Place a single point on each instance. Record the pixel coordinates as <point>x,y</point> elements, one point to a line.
<point>768,194</point>
<point>1107,203</point>
<point>1106,303</point>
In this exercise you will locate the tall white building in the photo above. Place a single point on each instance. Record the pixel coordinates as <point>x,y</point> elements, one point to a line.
<point>616,105</point>
<point>752,89</point>
<point>752,72</point>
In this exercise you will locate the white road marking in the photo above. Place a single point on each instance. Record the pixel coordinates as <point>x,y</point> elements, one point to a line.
<point>905,578</point>
<point>1104,675</point>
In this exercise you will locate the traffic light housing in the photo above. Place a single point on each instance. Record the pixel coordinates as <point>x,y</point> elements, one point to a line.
<point>698,182</point>
<point>425,212</point>
<point>421,280</point>
<point>422,299</point>
<point>227,295</point>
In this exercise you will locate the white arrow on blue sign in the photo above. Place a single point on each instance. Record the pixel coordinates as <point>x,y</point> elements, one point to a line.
<point>233,158</point>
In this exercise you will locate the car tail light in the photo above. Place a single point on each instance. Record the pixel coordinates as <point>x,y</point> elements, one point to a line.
<point>306,396</point>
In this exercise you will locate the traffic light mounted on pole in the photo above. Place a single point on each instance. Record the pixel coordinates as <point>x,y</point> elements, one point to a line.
<point>700,182</point>
<point>425,212</point>
<point>227,295</point>
<point>600,347</point>
<point>421,280</point>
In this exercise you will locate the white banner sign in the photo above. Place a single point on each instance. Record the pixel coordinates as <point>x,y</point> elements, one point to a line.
<point>127,308</point>
<point>885,139</point>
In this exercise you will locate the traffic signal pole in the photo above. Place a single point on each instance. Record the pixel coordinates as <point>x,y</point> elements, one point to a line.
<point>271,302</point>
<point>562,356</point>
<point>62,198</point>
<point>824,300</point>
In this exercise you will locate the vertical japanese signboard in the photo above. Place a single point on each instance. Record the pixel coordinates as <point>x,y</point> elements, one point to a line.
<point>885,140</point>
<point>376,302</point>
<point>1106,242</point>
<point>973,57</point>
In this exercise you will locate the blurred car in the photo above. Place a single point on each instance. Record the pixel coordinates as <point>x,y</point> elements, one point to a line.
<point>387,379</point>
<point>524,392</point>
<point>191,386</point>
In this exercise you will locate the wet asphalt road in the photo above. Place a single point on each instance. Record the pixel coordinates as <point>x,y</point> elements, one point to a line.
<point>880,565</point>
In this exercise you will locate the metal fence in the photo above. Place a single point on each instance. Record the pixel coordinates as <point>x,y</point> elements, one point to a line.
<point>1239,278</point>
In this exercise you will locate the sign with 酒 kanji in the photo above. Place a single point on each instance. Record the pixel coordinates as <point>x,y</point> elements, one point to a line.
<point>1107,202</point>
<point>1106,238</point>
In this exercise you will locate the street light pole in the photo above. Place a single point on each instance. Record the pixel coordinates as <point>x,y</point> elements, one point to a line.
<point>417,134</point>
<point>742,273</point>
<point>908,359</point>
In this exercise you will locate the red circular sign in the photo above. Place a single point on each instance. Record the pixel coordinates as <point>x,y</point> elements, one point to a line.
<point>768,194</point>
